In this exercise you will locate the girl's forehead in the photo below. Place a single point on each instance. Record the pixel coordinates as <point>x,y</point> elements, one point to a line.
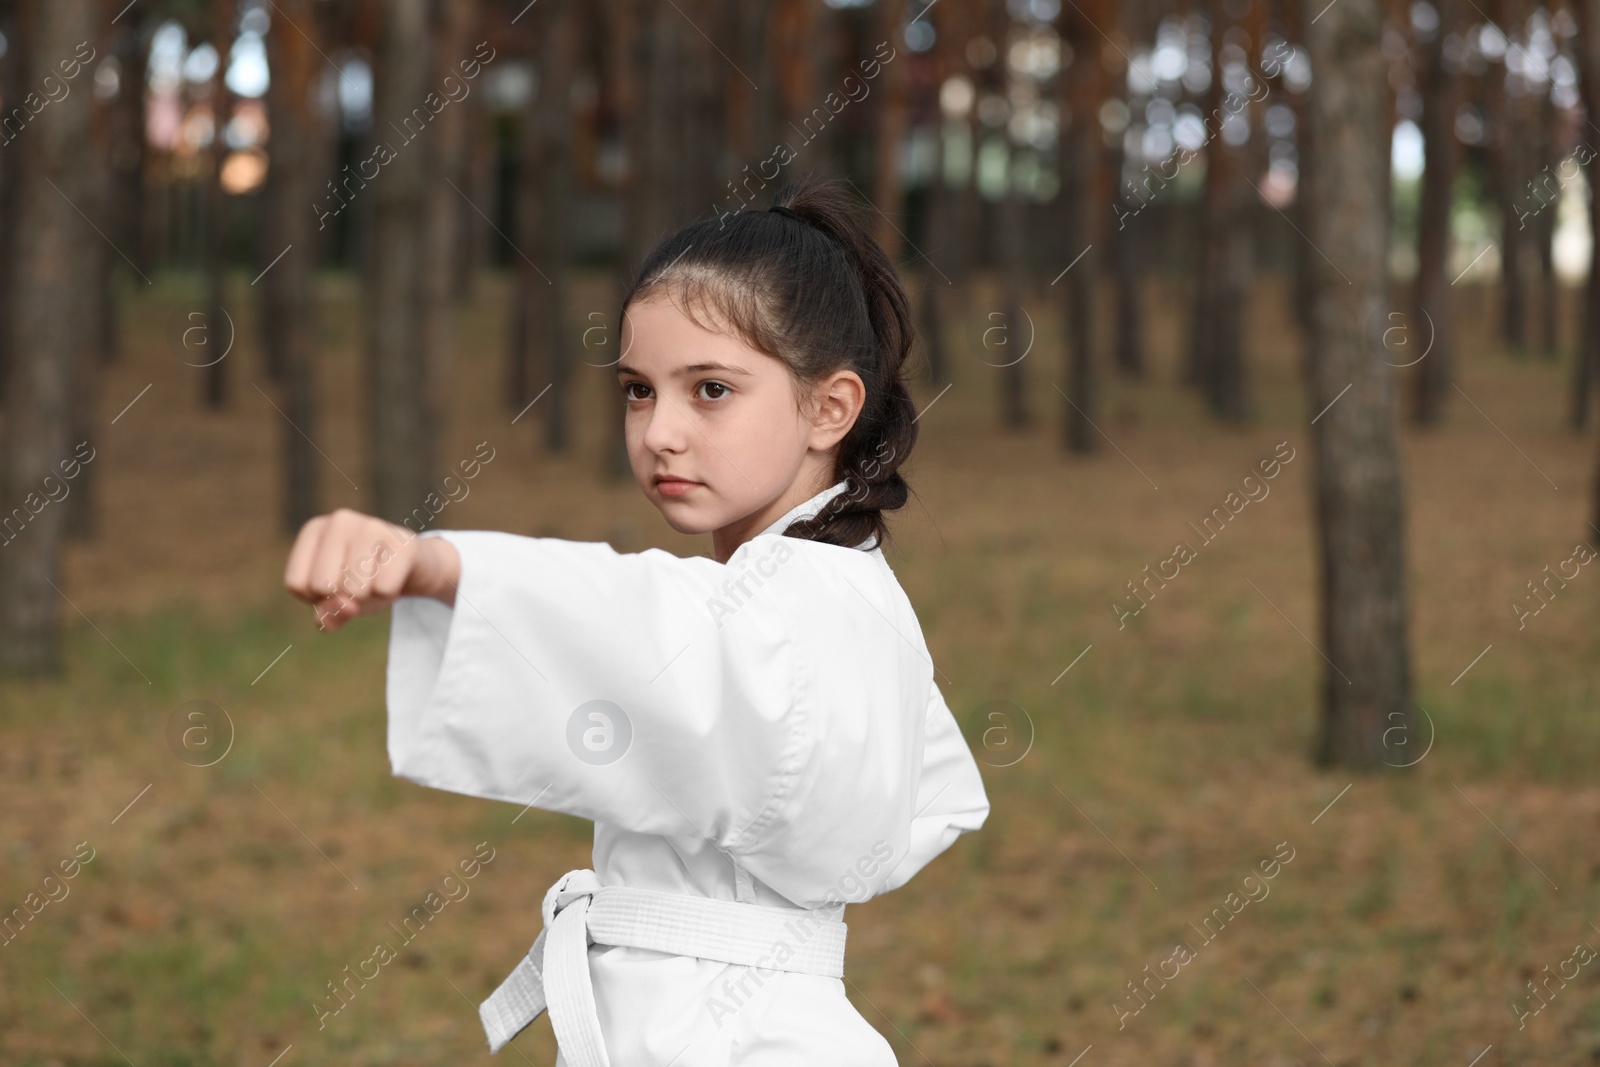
<point>659,337</point>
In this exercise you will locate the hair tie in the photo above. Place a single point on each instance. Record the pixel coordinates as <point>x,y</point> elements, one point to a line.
<point>780,209</point>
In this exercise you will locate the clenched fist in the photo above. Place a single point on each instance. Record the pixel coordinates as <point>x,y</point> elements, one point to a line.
<point>348,564</point>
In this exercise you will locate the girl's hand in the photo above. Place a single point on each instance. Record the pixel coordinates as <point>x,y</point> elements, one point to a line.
<point>348,564</point>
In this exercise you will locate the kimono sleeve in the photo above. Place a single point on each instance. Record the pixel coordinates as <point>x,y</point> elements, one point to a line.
<point>605,685</point>
<point>950,797</point>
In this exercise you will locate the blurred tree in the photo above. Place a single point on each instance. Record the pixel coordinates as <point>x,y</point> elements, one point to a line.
<point>893,115</point>
<point>290,246</point>
<point>1012,247</point>
<point>700,68</point>
<point>446,200</point>
<point>1126,246</point>
<point>1588,361</point>
<point>1222,275</point>
<point>130,43</point>
<point>1588,43</point>
<point>752,113</point>
<point>1506,152</point>
<point>1125,255</point>
<point>968,221</point>
<point>483,205</point>
<point>1434,317</point>
<point>50,310</point>
<point>1082,87</point>
<point>544,204</point>
<point>1366,686</point>
<point>403,367</point>
<point>223,23</point>
<point>1548,155</point>
<point>10,89</point>
<point>1020,327</point>
<point>98,325</point>
<point>951,32</point>
<point>1296,16</point>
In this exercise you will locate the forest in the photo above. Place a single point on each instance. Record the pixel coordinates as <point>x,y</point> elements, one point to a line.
<point>1257,350</point>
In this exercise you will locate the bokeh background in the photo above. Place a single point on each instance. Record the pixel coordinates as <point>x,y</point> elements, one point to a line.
<point>1305,287</point>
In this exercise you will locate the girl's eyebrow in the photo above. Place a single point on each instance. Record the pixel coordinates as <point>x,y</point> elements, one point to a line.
<point>693,368</point>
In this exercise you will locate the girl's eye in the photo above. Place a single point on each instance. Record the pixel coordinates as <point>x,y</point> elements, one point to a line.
<point>715,385</point>
<point>627,388</point>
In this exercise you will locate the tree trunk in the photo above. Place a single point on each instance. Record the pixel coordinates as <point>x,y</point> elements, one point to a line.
<point>132,49</point>
<point>702,142</point>
<point>49,305</point>
<point>447,188</point>
<point>752,113</point>
<point>1210,246</point>
<point>220,324</point>
<point>295,181</point>
<point>797,71</point>
<point>93,199</point>
<point>544,194</point>
<point>1544,234</point>
<point>1216,361</point>
<point>1430,335</point>
<point>1081,85</point>
<point>893,104</point>
<point>1126,271</point>
<point>1588,359</point>
<point>952,31</point>
<point>1295,18</point>
<point>1366,684</point>
<point>1017,333</point>
<point>404,409</point>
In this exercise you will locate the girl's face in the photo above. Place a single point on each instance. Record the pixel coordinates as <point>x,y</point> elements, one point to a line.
<point>715,434</point>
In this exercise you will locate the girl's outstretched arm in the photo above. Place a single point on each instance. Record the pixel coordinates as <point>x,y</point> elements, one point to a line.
<point>347,564</point>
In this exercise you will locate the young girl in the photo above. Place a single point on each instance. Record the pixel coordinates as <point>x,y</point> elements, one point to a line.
<point>757,736</point>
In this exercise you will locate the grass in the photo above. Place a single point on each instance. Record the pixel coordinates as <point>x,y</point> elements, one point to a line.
<point>1163,767</point>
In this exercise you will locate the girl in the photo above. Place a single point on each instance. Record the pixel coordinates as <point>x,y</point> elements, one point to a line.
<point>758,736</point>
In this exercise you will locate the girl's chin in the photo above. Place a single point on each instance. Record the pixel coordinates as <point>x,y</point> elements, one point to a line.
<point>682,517</point>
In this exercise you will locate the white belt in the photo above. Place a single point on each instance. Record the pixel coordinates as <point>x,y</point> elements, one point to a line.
<point>579,911</point>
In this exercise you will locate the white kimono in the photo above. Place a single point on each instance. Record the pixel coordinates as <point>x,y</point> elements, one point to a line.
<point>765,731</point>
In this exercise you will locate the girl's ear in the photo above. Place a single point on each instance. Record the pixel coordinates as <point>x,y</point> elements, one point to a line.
<point>837,401</point>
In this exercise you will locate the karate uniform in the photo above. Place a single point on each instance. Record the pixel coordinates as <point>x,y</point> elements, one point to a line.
<point>765,732</point>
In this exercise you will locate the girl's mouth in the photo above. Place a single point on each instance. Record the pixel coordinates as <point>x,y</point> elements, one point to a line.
<point>669,486</point>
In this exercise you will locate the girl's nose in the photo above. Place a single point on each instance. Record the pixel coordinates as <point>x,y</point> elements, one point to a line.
<point>667,428</point>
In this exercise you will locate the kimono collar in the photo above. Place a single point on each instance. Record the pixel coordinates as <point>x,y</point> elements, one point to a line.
<point>810,508</point>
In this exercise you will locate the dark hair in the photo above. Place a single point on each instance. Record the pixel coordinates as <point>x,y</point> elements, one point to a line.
<point>813,288</point>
